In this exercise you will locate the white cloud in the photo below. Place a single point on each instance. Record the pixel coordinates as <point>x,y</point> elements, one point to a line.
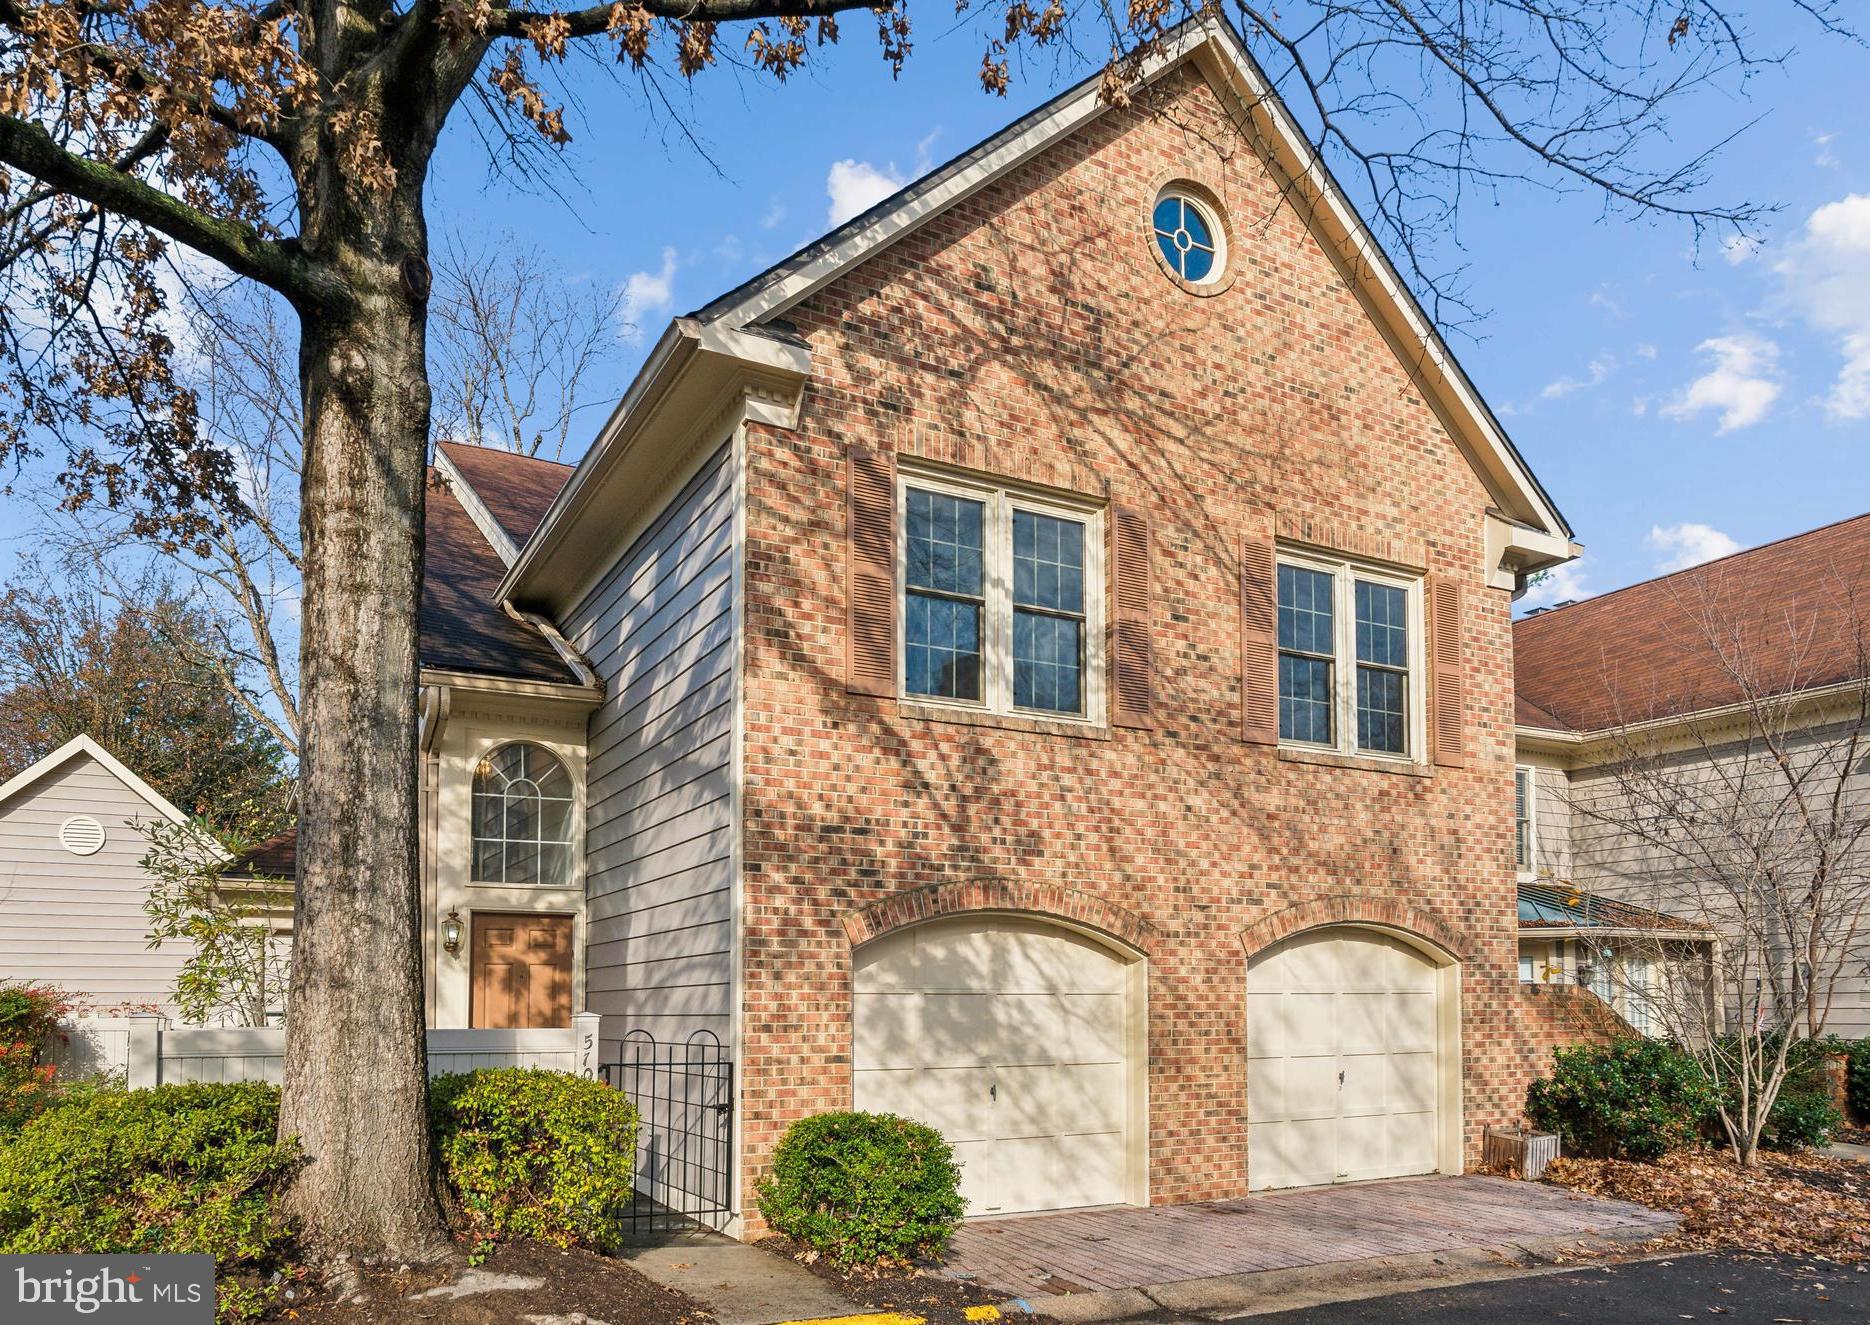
<point>857,186</point>
<point>774,214</point>
<point>1826,276</point>
<point>646,293</point>
<point>1738,248</point>
<point>1598,370</point>
<point>1742,384</point>
<point>1679,546</point>
<point>1826,157</point>
<point>1645,351</point>
<point>1562,584</point>
<point>1602,298</point>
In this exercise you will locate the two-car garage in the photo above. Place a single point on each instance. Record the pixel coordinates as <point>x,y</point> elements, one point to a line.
<point>1024,1043</point>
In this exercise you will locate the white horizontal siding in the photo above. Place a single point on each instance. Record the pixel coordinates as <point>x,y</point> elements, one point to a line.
<point>78,921</point>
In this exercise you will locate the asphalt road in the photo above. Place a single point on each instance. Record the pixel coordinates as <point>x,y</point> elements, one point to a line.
<point>1744,1290</point>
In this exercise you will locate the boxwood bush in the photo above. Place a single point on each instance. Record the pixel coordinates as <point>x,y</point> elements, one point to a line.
<point>1802,1116</point>
<point>529,1153</point>
<point>1859,1093</point>
<point>174,1169</point>
<point>862,1188</point>
<point>1634,1099</point>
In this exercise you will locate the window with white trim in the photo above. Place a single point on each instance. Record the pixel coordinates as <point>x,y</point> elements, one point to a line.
<point>1002,598</point>
<point>523,809</point>
<point>1350,658</point>
<point>1523,842</point>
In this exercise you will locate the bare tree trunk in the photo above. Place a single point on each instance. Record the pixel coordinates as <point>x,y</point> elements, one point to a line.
<point>356,1074</point>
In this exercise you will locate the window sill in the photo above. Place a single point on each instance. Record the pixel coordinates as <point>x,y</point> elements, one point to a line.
<point>1366,763</point>
<point>1019,722</point>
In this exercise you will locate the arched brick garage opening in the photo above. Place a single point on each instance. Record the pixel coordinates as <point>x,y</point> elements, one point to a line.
<point>1021,1037</point>
<point>1353,1045</point>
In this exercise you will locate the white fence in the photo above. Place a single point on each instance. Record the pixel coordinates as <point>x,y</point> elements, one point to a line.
<point>147,1051</point>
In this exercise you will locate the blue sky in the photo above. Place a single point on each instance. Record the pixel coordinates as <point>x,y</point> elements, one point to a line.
<point>1676,404</point>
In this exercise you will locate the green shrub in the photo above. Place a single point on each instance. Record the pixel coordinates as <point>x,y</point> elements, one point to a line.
<point>1859,1093</point>
<point>863,1187</point>
<point>534,1154</point>
<point>1803,1116</point>
<point>147,1172</point>
<point>1634,1099</point>
<point>29,1017</point>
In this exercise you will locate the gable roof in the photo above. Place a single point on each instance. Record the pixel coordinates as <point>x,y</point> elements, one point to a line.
<point>77,747</point>
<point>1645,652</point>
<point>516,490</point>
<point>463,628</point>
<point>1213,44</point>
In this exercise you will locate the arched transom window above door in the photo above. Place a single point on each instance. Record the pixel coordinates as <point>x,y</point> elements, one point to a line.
<point>522,818</point>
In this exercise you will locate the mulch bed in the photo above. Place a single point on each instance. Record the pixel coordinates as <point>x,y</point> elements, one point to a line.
<point>577,1288</point>
<point>1798,1205</point>
<point>1853,1136</point>
<point>918,1290</point>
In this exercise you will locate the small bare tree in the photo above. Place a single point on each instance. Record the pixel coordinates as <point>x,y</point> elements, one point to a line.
<point>1749,818</point>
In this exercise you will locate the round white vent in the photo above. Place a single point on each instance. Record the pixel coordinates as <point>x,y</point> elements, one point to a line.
<point>82,836</point>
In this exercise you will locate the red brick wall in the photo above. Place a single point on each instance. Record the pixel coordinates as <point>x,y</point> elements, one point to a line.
<point>1030,333</point>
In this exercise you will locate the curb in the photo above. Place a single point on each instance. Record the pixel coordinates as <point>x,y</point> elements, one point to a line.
<point>1261,1291</point>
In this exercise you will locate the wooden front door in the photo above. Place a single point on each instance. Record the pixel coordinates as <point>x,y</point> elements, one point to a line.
<point>521,971</point>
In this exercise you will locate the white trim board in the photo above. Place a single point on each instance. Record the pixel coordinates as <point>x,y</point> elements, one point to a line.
<point>84,745</point>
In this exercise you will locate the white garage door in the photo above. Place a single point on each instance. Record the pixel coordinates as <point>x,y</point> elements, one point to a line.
<point>1012,1038</point>
<point>1343,1060</point>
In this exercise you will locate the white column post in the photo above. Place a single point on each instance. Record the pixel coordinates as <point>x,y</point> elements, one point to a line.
<point>584,1035</point>
<point>143,1060</point>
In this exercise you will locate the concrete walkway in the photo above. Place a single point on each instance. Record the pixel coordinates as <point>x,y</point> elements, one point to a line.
<point>741,1284</point>
<point>1118,1250</point>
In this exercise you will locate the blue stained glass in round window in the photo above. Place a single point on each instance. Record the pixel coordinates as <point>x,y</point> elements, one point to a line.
<point>1186,237</point>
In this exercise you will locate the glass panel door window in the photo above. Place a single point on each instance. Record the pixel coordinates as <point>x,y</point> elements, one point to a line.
<point>1349,658</point>
<point>1002,597</point>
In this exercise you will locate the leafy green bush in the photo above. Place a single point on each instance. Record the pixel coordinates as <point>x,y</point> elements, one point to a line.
<point>1634,1099</point>
<point>1860,1081</point>
<point>534,1154</point>
<point>863,1187</point>
<point>29,1017</point>
<point>1803,1116</point>
<point>170,1170</point>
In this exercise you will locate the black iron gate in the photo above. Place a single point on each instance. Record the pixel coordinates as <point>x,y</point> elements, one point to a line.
<point>684,1097</point>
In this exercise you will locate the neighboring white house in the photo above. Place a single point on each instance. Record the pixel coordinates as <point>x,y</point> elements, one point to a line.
<point>71,883</point>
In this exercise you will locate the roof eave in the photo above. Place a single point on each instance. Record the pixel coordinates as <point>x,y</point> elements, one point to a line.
<point>695,369</point>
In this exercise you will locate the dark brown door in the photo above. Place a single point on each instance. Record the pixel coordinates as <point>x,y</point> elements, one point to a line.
<point>522,971</point>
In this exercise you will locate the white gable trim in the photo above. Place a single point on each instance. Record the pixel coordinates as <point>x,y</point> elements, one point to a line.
<point>469,497</point>
<point>84,745</point>
<point>1334,221</point>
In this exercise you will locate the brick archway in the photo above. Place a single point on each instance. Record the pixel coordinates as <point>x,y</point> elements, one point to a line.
<point>1356,909</point>
<point>1050,901</point>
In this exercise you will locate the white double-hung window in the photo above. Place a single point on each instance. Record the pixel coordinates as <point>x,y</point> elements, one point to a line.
<point>1350,658</point>
<point>1001,597</point>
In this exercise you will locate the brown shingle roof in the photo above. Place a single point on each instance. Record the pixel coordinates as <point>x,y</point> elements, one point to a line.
<point>463,628</point>
<point>516,489</point>
<point>1792,609</point>
<point>275,858</point>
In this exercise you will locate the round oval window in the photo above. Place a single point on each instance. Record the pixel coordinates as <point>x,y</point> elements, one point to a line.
<point>1189,237</point>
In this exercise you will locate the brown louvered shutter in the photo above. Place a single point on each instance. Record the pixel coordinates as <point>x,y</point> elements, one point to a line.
<point>1447,673</point>
<point>1259,643</point>
<point>870,580</point>
<point>1131,662</point>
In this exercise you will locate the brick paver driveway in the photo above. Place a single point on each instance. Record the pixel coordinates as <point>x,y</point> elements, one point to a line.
<point>1125,1247</point>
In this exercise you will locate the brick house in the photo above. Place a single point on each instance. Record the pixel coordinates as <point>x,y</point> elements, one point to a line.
<point>1038,659</point>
